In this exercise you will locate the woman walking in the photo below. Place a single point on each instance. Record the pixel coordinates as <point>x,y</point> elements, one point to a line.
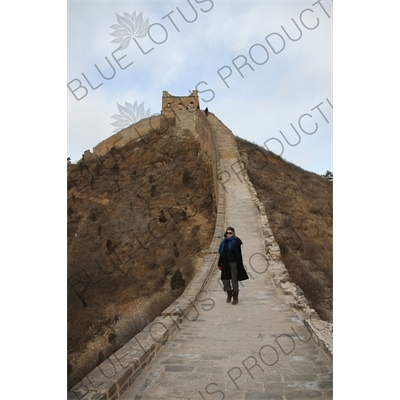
<point>230,263</point>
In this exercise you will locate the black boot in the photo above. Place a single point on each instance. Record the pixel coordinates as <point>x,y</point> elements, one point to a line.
<point>235,298</point>
<point>228,299</point>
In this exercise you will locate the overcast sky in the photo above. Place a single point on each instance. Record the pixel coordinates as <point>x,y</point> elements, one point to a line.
<point>263,67</point>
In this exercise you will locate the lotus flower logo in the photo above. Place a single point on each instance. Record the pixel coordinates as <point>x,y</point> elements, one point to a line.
<point>129,114</point>
<point>130,26</point>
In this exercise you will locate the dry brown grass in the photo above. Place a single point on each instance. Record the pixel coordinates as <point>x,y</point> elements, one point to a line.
<point>299,208</point>
<point>135,216</point>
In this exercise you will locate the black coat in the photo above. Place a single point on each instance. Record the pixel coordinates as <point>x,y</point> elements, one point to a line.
<point>226,269</point>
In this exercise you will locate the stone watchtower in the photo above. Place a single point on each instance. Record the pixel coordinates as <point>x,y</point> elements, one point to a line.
<point>179,103</point>
<point>180,111</point>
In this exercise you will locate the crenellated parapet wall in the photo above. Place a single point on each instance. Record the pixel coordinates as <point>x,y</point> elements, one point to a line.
<point>135,131</point>
<point>179,112</point>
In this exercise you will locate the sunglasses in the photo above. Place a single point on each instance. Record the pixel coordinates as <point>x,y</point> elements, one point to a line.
<point>229,233</point>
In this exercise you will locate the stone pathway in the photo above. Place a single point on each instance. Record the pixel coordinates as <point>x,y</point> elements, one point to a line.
<point>258,349</point>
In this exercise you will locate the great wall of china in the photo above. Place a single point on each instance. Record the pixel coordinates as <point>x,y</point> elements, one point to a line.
<point>130,371</point>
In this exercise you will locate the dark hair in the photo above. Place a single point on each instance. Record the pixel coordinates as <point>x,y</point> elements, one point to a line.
<point>229,228</point>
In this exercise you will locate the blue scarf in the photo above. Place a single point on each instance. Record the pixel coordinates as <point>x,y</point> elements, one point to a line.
<point>231,244</point>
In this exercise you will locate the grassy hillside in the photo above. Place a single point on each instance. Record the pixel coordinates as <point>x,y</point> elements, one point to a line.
<point>135,217</point>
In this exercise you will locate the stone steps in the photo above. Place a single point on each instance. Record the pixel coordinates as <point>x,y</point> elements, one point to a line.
<point>225,142</point>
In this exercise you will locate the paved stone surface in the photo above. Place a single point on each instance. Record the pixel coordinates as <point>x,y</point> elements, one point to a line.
<point>258,349</point>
